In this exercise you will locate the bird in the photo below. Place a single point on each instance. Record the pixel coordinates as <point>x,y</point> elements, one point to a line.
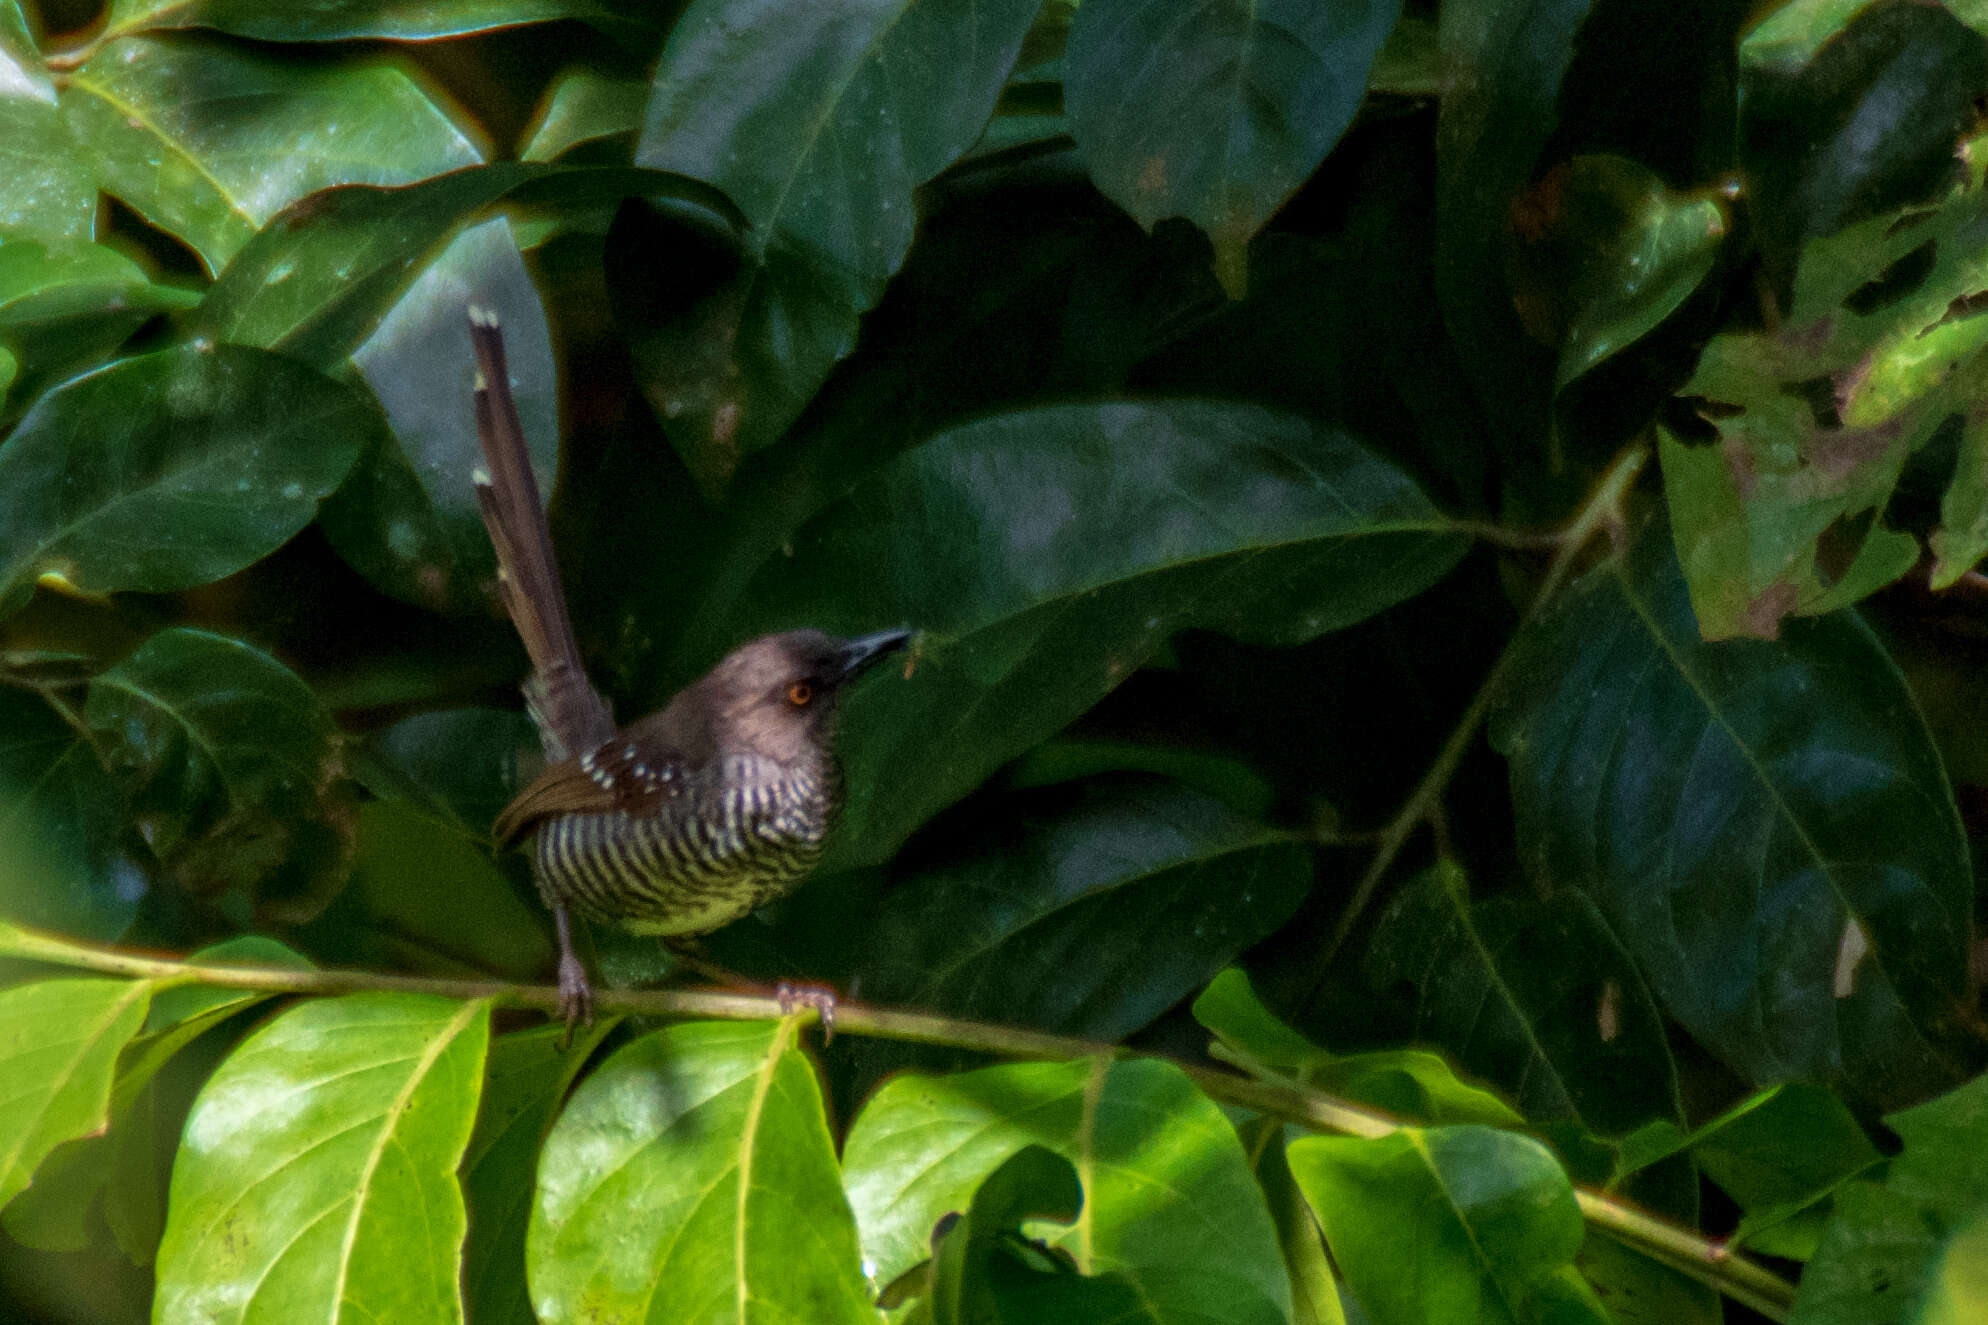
<point>687,819</point>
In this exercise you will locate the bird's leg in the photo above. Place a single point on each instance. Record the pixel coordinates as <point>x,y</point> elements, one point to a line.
<point>688,952</point>
<point>819,997</point>
<point>576,996</point>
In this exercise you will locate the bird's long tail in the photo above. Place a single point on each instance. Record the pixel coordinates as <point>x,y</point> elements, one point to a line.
<point>571,715</point>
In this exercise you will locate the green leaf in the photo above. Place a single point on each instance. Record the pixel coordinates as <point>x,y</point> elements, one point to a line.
<point>316,1178</point>
<point>1219,112</point>
<point>528,1078</point>
<point>1170,1202</point>
<point>587,107</point>
<point>233,767</point>
<point>1408,1083</point>
<point>1141,520</point>
<point>674,1185</point>
<point>348,20</point>
<point>1817,416</point>
<point>460,766</point>
<point>209,140</point>
<point>316,281</point>
<point>59,1042</point>
<point>820,121</point>
<point>1455,1223</point>
<point>985,1271</point>
<point>1535,995</point>
<point>1640,1291</point>
<point>1958,1291</point>
<point>1765,826</point>
<point>171,470</point>
<point>408,518</point>
<point>1872,1263</point>
<point>1315,1295</point>
<point>1775,1154</point>
<point>64,859</point>
<point>46,188</point>
<point>1157,885</point>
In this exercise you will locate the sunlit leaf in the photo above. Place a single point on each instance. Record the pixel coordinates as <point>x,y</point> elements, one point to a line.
<point>1456,1223</point>
<point>1219,111</point>
<point>46,188</point>
<point>585,107</point>
<point>209,140</point>
<point>1170,1203</point>
<point>171,470</point>
<point>692,1178</point>
<point>1765,826</point>
<point>59,1042</point>
<point>233,766</point>
<point>820,121</point>
<point>1052,551</point>
<point>316,1178</point>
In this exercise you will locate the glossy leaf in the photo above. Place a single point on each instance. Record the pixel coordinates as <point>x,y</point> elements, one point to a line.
<point>65,862</point>
<point>586,107</point>
<point>1880,327</point>
<point>1408,1083</point>
<point>316,1177</point>
<point>986,1271</point>
<point>1455,1223</point>
<point>1218,112</point>
<point>529,1075</point>
<point>460,766</point>
<point>232,764</point>
<point>1765,826</point>
<point>59,1042</point>
<point>692,1178</point>
<point>1775,1154</point>
<point>46,188</point>
<point>1052,551</point>
<point>819,121</point>
<point>1536,996</point>
<point>171,470</point>
<point>1157,886</point>
<point>209,141</point>
<point>316,281</point>
<point>1170,1204</point>
<point>347,20</point>
<point>408,518</point>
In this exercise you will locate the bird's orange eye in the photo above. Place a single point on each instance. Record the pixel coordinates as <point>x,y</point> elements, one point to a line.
<point>800,693</point>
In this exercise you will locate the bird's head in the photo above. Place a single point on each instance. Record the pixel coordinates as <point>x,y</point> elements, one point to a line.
<point>777,694</point>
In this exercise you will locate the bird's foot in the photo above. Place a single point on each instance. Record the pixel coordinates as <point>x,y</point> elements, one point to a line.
<point>819,997</point>
<point>576,996</point>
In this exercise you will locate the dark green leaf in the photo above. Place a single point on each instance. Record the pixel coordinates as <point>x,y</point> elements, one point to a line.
<point>408,518</point>
<point>64,859</point>
<point>692,1178</point>
<point>1156,885</point>
<point>1640,1291</point>
<point>46,188</point>
<point>1408,1083</point>
<point>1537,996</point>
<point>59,1042</point>
<point>1171,1204</point>
<point>586,106</point>
<point>528,1078</point>
<point>458,765</point>
<point>1052,551</point>
<point>171,470</point>
<point>1871,1265</point>
<point>1216,112</point>
<point>1458,1223</point>
<point>316,1179</point>
<point>819,121</point>
<point>346,20</point>
<point>1765,826</point>
<point>208,141</point>
<point>233,767</point>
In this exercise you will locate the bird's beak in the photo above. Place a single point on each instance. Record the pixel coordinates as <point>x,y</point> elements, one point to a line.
<point>860,654</point>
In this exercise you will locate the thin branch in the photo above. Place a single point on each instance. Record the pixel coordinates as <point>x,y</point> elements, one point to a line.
<point>1603,511</point>
<point>1686,1250</point>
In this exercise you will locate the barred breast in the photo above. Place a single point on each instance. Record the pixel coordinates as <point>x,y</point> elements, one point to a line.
<point>739,835</point>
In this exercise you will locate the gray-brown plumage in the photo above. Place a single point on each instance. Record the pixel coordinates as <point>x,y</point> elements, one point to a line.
<point>687,819</point>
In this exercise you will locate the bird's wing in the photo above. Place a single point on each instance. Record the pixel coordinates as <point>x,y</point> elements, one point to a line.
<point>623,774</point>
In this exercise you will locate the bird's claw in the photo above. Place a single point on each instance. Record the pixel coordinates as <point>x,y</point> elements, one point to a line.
<point>576,996</point>
<point>819,997</point>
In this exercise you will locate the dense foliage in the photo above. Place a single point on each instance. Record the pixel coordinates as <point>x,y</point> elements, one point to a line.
<point>1429,788</point>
